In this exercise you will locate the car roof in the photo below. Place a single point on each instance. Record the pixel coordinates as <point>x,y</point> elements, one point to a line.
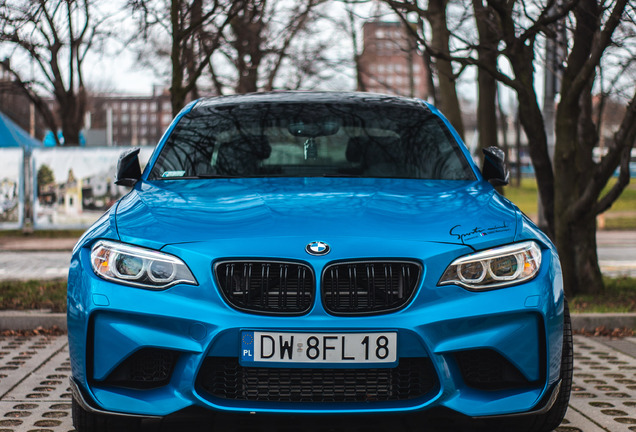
<point>328,97</point>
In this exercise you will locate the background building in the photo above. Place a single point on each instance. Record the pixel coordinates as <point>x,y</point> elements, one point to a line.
<point>125,120</point>
<point>390,62</point>
<point>15,104</point>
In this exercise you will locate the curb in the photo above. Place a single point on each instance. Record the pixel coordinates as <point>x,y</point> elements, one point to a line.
<point>591,321</point>
<point>32,319</point>
<point>37,244</point>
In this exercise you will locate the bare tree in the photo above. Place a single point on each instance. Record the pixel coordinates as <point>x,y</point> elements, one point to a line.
<point>436,15</point>
<point>194,29</point>
<point>571,190</point>
<point>579,179</point>
<point>260,42</point>
<point>56,36</point>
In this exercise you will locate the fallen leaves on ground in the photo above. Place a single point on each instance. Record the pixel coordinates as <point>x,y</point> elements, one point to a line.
<point>40,331</point>
<point>604,331</point>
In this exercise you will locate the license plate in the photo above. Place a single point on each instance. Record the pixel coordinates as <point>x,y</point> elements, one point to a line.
<point>318,347</point>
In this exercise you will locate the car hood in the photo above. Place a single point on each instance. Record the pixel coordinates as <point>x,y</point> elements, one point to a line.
<point>164,212</point>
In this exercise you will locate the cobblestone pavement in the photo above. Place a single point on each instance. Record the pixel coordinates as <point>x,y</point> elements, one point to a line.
<point>35,396</point>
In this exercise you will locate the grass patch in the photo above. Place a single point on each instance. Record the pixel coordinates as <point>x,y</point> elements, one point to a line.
<point>620,223</point>
<point>627,200</point>
<point>42,233</point>
<point>619,296</point>
<point>622,215</point>
<point>33,294</point>
<point>525,196</point>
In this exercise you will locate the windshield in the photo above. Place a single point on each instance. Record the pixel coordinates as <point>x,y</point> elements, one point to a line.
<point>311,140</point>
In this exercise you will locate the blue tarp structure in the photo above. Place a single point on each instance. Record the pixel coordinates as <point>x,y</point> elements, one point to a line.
<point>12,135</point>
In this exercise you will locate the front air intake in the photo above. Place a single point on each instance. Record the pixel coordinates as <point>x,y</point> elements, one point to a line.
<point>486,369</point>
<point>144,369</point>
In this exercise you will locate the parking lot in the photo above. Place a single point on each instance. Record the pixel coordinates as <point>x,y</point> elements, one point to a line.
<point>35,394</point>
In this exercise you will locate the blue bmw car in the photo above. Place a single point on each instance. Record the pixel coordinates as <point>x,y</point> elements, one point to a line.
<point>316,253</point>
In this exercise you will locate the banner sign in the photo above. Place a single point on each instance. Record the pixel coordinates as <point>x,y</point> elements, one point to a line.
<point>73,187</point>
<point>11,188</point>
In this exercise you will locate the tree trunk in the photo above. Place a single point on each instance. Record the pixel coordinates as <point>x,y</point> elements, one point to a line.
<point>248,28</point>
<point>532,122</point>
<point>576,137</point>
<point>71,132</point>
<point>576,242</point>
<point>248,80</point>
<point>575,232</point>
<point>431,91</point>
<point>449,102</point>
<point>487,110</point>
<point>487,103</point>
<point>71,116</point>
<point>531,119</point>
<point>177,94</point>
<point>177,97</point>
<point>191,49</point>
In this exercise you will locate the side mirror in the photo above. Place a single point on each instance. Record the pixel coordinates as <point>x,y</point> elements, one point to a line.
<point>128,168</point>
<point>495,169</point>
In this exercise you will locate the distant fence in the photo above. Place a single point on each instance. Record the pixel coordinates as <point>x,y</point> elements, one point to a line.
<point>59,188</point>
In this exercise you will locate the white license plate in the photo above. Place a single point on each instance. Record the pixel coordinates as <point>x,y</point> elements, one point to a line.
<point>318,347</point>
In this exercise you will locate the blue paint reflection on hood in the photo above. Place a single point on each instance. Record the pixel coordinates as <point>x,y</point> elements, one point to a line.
<point>177,211</point>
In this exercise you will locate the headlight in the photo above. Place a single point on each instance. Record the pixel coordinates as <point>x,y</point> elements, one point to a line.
<point>495,268</point>
<point>137,266</point>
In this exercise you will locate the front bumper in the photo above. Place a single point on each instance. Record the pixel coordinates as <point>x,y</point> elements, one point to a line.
<point>108,323</point>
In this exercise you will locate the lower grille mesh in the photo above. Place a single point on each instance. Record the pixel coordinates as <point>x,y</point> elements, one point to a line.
<point>225,378</point>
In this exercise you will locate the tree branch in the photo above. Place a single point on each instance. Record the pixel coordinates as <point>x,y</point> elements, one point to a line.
<point>599,46</point>
<point>296,24</point>
<point>620,149</point>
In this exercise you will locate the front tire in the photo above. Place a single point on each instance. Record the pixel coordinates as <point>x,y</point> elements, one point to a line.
<point>553,418</point>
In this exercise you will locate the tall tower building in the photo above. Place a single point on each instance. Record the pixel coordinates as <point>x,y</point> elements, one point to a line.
<point>390,62</point>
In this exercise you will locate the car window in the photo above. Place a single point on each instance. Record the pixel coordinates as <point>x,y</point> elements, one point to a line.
<point>311,140</point>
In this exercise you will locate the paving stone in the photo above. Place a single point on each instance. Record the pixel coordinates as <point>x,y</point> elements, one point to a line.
<point>34,392</point>
<point>22,356</point>
<point>576,422</point>
<point>604,385</point>
<point>626,345</point>
<point>49,382</point>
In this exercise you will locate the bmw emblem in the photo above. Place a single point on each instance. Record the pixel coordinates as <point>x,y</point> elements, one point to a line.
<point>317,248</point>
